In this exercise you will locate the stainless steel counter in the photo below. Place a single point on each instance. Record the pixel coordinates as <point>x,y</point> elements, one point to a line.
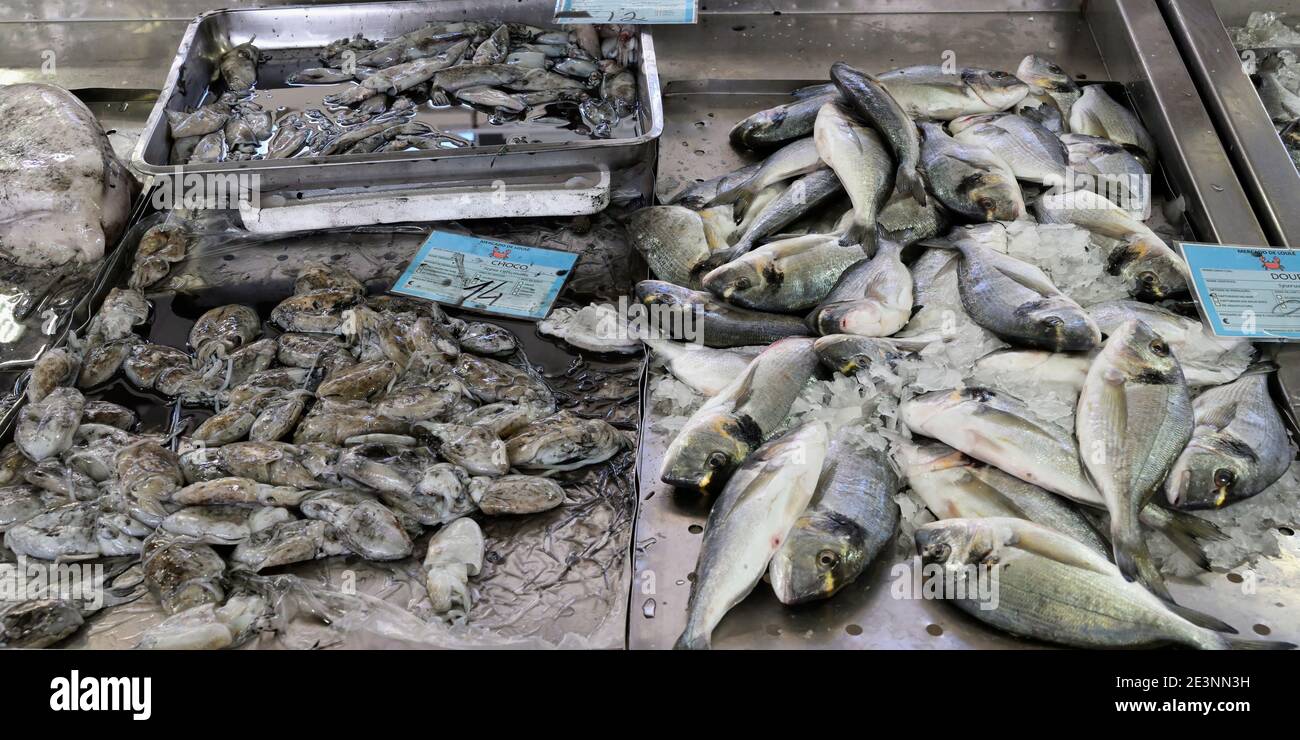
<point>1262,163</point>
<point>743,57</point>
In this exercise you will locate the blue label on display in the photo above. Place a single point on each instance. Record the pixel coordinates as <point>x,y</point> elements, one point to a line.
<point>1249,292</point>
<point>621,11</point>
<point>485,275</point>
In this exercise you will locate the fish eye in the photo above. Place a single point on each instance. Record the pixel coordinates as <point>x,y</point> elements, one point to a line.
<point>1159,347</point>
<point>828,558</point>
<point>1148,278</point>
<point>938,552</point>
<point>1053,322</point>
<point>744,284</point>
<point>986,203</point>
<point>1224,478</point>
<point>716,460</point>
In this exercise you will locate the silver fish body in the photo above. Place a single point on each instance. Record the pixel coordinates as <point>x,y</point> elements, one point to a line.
<point>851,517</point>
<point>929,92</point>
<point>1033,153</point>
<point>728,427</point>
<point>1055,589</point>
<point>861,163</point>
<point>1019,303</point>
<point>953,486</point>
<point>1239,446</point>
<point>700,317</point>
<point>872,298</point>
<point>1098,114</point>
<point>748,524</point>
<point>1134,418</point>
<point>970,180</point>
<point>873,101</point>
<point>784,276</point>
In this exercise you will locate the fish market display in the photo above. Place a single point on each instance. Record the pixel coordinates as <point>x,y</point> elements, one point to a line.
<point>383,96</point>
<point>356,426</point>
<point>64,196</point>
<point>951,276</point>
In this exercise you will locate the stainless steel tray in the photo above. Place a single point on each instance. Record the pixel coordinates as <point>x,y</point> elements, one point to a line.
<point>705,94</point>
<point>1262,162</point>
<point>311,26</point>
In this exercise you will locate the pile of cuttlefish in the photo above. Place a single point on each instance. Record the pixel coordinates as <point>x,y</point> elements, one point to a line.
<point>368,421</point>
<point>513,71</point>
<point>873,234</point>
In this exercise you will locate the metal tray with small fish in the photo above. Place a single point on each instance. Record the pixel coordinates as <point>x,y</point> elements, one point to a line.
<point>289,38</point>
<point>1122,43</point>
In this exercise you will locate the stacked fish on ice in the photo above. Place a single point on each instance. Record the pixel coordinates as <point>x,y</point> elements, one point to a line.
<point>368,420</point>
<point>972,248</point>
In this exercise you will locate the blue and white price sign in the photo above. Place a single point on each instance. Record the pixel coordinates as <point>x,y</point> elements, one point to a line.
<point>485,275</point>
<point>622,11</point>
<point>1249,292</point>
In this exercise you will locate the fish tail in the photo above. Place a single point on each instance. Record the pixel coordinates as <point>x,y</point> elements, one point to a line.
<point>909,181</point>
<point>1136,564</point>
<point>1237,643</point>
<point>1190,525</point>
<point>861,233</point>
<point>1201,619</point>
<point>1186,530</point>
<point>690,640</point>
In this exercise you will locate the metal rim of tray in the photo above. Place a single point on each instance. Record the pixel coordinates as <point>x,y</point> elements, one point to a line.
<point>647,62</point>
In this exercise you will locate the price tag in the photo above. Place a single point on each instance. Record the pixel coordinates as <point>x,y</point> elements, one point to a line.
<point>485,275</point>
<point>1249,292</point>
<point>622,11</point>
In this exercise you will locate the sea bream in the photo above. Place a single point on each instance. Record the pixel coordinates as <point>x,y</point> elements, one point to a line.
<point>1016,301</point>
<point>861,164</point>
<point>1151,269</point>
<point>783,276</point>
<point>749,523</point>
<point>1056,589</point>
<point>872,298</point>
<point>696,316</point>
<point>850,519</point>
<point>930,92</point>
<point>969,179</point>
<point>1001,430</point>
<point>728,427</point>
<point>954,486</point>
<point>866,96</point>
<point>1134,418</point>
<point>1239,446</point>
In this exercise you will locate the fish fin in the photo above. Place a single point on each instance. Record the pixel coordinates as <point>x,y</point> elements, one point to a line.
<point>1062,549</point>
<point>1201,619</point>
<point>1217,417</point>
<point>1260,367</point>
<point>937,244</point>
<point>694,642</point>
<point>1188,546</point>
<point>863,234</point>
<point>1023,273</point>
<point>1145,569</point>
<point>909,181</point>
<point>1234,643</point>
<point>745,389</point>
<point>1186,524</point>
